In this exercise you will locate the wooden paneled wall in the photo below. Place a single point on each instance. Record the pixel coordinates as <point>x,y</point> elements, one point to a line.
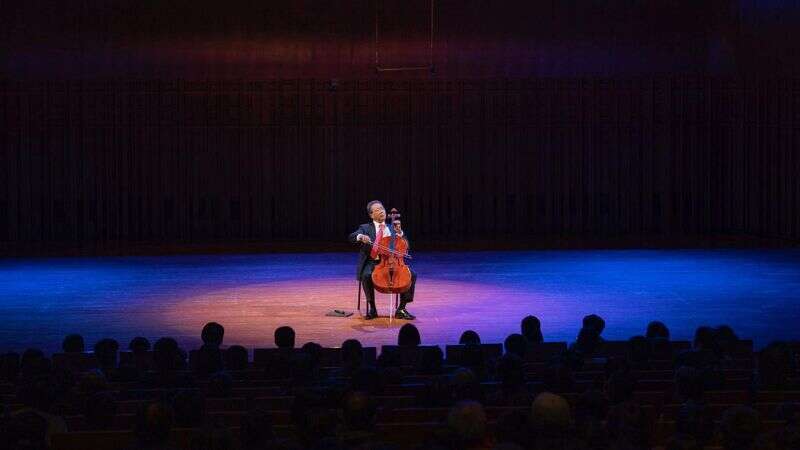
<point>295,159</point>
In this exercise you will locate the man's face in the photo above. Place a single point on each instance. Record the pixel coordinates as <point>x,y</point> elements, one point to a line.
<point>377,213</point>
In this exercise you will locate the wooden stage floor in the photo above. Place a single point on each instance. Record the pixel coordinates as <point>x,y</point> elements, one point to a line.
<point>41,300</point>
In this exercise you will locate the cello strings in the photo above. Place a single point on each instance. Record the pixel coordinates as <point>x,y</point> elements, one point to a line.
<point>393,252</point>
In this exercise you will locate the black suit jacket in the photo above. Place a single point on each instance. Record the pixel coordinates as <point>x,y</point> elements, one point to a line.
<point>364,249</point>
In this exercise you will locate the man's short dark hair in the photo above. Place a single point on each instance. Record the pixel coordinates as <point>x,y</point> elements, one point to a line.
<point>33,363</point>
<point>596,322</point>
<point>139,345</point>
<point>704,338</point>
<point>656,329</point>
<point>588,341</point>
<point>408,336</point>
<point>314,352</point>
<point>467,421</point>
<point>73,343</point>
<point>352,351</point>
<point>515,343</point>
<point>469,337</point>
<point>531,328</point>
<point>212,333</point>
<point>369,205</point>
<point>166,354</point>
<point>284,337</point>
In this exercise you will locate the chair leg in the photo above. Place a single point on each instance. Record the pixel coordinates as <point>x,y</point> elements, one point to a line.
<point>358,304</point>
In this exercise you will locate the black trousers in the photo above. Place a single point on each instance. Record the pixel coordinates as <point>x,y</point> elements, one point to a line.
<point>369,289</point>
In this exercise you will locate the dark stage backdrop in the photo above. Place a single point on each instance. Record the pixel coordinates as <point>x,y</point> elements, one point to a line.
<point>297,159</point>
<point>169,120</point>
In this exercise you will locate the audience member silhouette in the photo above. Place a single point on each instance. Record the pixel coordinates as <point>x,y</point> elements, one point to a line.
<point>142,359</point>
<point>588,341</point>
<point>139,345</point>
<point>465,385</point>
<point>209,358</point>
<point>512,429</point>
<point>531,328</point>
<point>472,357</point>
<point>166,355</point>
<point>591,411</point>
<point>170,362</point>
<point>431,361</point>
<point>517,344</point>
<point>595,322</point>
<point>73,343</point>
<point>628,426</point>
<point>469,337</point>
<point>38,395</point>
<point>154,421</point>
<point>408,336</point>
<point>550,422</point>
<point>657,330</point>
<point>212,334</point>
<point>602,419</point>
<point>358,420</point>
<point>468,424</point>
<point>284,337</point>
<point>352,355</point>
<point>726,342</point>
<point>704,356</point>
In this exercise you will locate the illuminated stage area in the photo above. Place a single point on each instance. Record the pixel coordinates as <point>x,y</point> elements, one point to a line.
<point>754,291</point>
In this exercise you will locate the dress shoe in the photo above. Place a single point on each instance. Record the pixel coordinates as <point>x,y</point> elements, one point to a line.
<point>402,313</point>
<point>371,314</point>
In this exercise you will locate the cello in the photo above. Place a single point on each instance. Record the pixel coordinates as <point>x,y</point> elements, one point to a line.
<point>392,275</point>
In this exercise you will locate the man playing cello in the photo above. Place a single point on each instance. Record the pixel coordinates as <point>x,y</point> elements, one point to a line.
<point>366,236</point>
